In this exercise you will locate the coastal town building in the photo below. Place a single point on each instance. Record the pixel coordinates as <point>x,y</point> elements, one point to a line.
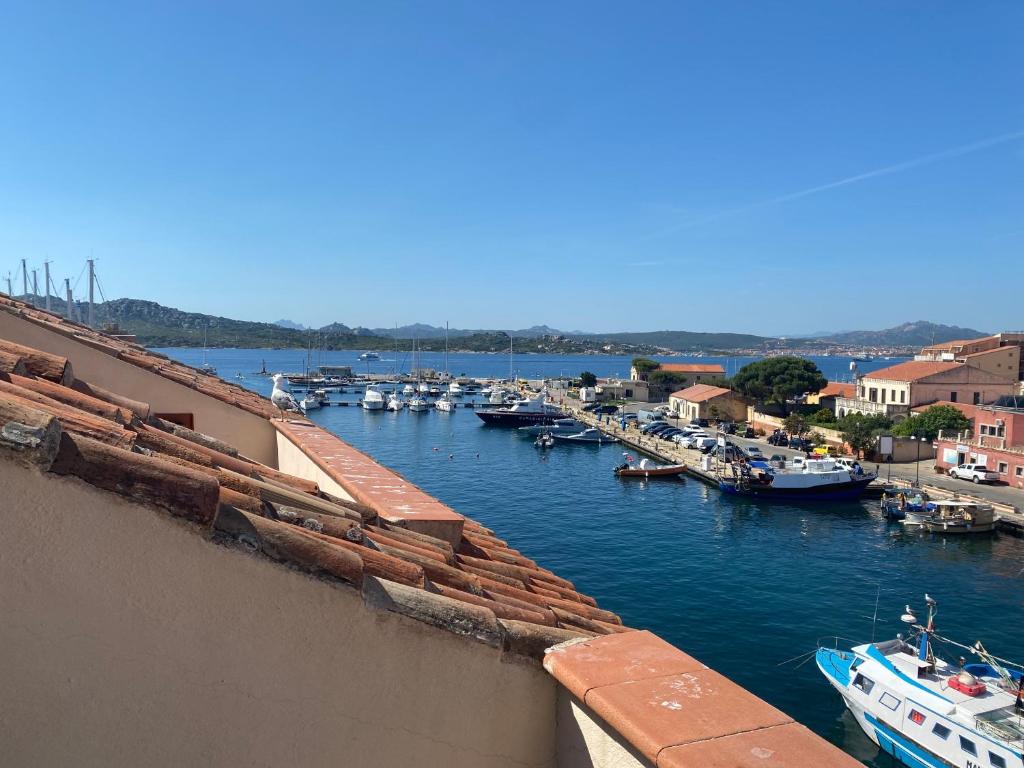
<point>826,397</point>
<point>999,353</point>
<point>693,373</point>
<point>894,390</point>
<point>704,401</point>
<point>995,439</point>
<point>255,591</point>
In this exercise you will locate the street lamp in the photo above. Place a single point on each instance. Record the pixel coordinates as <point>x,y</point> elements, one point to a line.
<point>918,440</point>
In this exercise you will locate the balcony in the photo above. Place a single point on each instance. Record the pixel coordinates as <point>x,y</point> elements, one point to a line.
<point>846,405</point>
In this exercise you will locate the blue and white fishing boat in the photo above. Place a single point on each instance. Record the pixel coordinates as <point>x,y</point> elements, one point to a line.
<point>812,480</point>
<point>928,712</point>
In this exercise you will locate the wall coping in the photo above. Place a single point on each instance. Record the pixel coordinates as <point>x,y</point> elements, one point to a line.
<point>678,712</point>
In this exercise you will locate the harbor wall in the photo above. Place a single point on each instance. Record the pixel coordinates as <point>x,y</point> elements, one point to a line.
<point>130,638</point>
<point>253,435</point>
<point>584,740</point>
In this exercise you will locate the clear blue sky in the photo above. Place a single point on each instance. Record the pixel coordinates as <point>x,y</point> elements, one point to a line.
<point>506,164</point>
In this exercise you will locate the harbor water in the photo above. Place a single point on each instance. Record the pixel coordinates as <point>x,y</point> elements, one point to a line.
<point>743,586</point>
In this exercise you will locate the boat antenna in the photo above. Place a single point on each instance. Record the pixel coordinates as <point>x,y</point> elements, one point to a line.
<point>874,618</point>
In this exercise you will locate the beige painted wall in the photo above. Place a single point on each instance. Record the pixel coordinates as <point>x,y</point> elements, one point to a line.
<point>249,433</point>
<point>292,460</point>
<point>586,741</point>
<point>131,640</point>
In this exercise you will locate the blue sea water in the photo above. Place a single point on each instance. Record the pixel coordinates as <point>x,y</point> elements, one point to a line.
<point>741,585</point>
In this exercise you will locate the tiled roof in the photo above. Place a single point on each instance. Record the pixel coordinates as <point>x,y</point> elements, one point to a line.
<point>912,370</point>
<point>838,389</point>
<point>693,368</point>
<point>476,585</point>
<point>700,393</point>
<point>141,357</point>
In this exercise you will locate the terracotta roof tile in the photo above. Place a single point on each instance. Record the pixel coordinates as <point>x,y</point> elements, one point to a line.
<point>104,440</point>
<point>838,389</point>
<point>700,393</point>
<point>912,370</point>
<point>693,368</point>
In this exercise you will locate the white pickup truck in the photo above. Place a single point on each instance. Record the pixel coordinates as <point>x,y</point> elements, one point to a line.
<point>977,473</point>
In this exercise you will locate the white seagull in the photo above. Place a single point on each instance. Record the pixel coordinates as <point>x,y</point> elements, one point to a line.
<point>282,398</point>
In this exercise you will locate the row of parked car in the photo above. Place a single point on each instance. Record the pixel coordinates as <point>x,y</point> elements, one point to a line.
<point>780,439</point>
<point>690,436</point>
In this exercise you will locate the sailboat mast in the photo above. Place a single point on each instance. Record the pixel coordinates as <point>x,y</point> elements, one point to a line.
<point>446,350</point>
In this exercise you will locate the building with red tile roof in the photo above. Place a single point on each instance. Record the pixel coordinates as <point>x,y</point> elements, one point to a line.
<point>693,372</point>
<point>250,590</point>
<point>894,390</point>
<point>704,401</point>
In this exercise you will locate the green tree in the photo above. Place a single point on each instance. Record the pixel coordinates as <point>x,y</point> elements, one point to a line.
<point>795,424</point>
<point>667,379</point>
<point>778,379</point>
<point>587,379</point>
<point>823,417</point>
<point>929,422</point>
<point>645,365</point>
<point>858,434</point>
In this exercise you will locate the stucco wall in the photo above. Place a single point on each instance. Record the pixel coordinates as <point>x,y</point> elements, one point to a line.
<point>586,741</point>
<point>129,639</point>
<point>292,460</point>
<point>249,433</point>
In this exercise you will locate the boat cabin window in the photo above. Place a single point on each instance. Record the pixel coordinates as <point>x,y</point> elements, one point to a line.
<point>863,683</point>
<point>996,760</point>
<point>940,730</point>
<point>916,717</point>
<point>890,701</point>
<point>968,746</point>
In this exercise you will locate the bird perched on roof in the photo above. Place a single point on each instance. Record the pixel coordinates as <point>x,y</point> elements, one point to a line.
<point>282,398</point>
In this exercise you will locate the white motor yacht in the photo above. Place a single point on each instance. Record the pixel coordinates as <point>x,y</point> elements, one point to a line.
<point>455,389</point>
<point>395,402</point>
<point>408,390</point>
<point>373,400</point>
<point>445,403</point>
<point>418,403</point>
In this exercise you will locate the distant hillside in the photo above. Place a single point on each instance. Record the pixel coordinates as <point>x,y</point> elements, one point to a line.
<point>919,334</point>
<point>290,324</point>
<point>685,341</point>
<point>155,325</point>
<point>424,331</point>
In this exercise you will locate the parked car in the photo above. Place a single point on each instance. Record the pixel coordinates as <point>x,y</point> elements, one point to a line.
<point>777,460</point>
<point>850,464</point>
<point>703,444</point>
<point>699,422</point>
<point>748,432</point>
<point>800,443</point>
<point>753,452</point>
<point>629,416</point>
<point>606,409</point>
<point>976,473</point>
<point>693,429</point>
<point>668,434</point>
<point>728,427</point>
<point>590,407</point>
<point>778,438</point>
<point>691,440</point>
<point>646,428</point>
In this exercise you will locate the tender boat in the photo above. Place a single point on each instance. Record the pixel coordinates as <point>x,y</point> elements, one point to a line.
<point>395,402</point>
<point>567,426</point>
<point>591,435</point>
<point>928,712</point>
<point>647,468</point>
<point>535,410</point>
<point>897,503</point>
<point>954,516</point>
<point>418,403</point>
<point>423,388</point>
<point>408,390</point>
<point>814,480</point>
<point>373,400</point>
<point>369,356</point>
<point>455,389</point>
<point>445,403</point>
<point>309,403</point>
<point>544,440</point>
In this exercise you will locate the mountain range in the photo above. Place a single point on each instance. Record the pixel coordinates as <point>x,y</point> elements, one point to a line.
<point>157,325</point>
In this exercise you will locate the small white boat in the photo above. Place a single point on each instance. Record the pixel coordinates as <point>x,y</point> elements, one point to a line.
<point>418,404</point>
<point>435,391</point>
<point>408,390</point>
<point>373,400</point>
<point>445,403</point>
<point>455,389</point>
<point>369,356</point>
<point>423,388</point>
<point>486,391</point>
<point>590,435</point>
<point>309,403</point>
<point>395,402</point>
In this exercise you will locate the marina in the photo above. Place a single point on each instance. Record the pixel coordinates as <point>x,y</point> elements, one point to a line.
<point>692,550</point>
